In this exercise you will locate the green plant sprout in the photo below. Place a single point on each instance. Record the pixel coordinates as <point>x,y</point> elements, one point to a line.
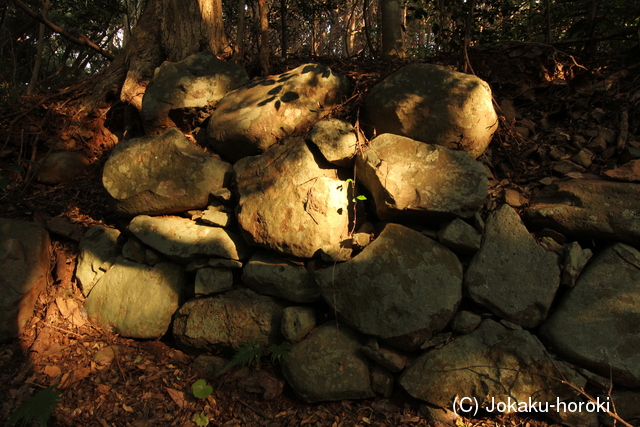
<point>201,389</point>
<point>201,419</point>
<point>250,353</point>
<point>38,408</point>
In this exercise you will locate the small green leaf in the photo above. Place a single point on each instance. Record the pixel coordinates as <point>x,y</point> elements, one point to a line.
<point>201,390</point>
<point>361,197</point>
<point>349,180</point>
<point>38,407</point>
<point>16,168</point>
<point>4,183</point>
<point>280,352</point>
<point>138,360</point>
<point>200,419</point>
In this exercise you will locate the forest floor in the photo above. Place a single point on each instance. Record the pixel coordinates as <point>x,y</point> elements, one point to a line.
<point>547,98</point>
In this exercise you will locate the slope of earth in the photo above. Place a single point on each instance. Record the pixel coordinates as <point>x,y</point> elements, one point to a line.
<point>553,106</point>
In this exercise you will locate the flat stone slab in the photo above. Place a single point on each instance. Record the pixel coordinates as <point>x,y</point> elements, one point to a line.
<point>162,174</point>
<point>137,300</point>
<point>596,324</point>
<point>410,180</point>
<point>328,366</point>
<point>291,204</point>
<point>512,275</point>
<point>490,362</point>
<point>403,287</point>
<point>266,111</point>
<point>589,209</point>
<point>183,94</point>
<point>183,239</point>
<point>228,320</point>
<point>434,105</point>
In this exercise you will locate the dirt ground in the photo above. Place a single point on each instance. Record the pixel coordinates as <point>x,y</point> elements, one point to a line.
<point>107,380</point>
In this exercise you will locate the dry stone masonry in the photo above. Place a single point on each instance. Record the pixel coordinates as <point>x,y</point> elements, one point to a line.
<point>372,258</point>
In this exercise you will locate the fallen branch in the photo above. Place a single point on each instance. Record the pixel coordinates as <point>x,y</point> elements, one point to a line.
<point>81,39</point>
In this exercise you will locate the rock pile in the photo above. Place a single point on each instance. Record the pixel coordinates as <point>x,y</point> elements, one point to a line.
<point>388,236</point>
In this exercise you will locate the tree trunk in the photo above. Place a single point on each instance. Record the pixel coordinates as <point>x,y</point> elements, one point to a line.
<point>239,54</point>
<point>263,55</point>
<point>283,28</point>
<point>391,28</point>
<point>167,30</point>
<point>46,4</point>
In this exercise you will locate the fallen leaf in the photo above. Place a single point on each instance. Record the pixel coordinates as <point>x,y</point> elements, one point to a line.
<point>53,371</point>
<point>129,409</point>
<point>177,397</point>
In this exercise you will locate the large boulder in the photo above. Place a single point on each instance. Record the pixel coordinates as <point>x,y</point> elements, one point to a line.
<point>291,204</point>
<point>596,324</point>
<point>185,93</point>
<point>184,240</point>
<point>410,180</point>
<point>162,174</point>
<point>328,365</point>
<point>589,209</point>
<point>512,275</point>
<point>258,115</point>
<point>491,364</point>
<point>228,320</point>
<point>403,287</point>
<point>99,248</point>
<point>435,105</point>
<point>137,300</point>
<point>24,262</point>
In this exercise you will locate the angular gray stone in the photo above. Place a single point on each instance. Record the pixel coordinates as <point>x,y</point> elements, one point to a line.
<point>403,287</point>
<point>465,322</point>
<point>99,248</point>
<point>328,366</point>
<point>62,167</point>
<point>135,251</point>
<point>511,274</point>
<point>589,209</point>
<point>216,217</point>
<point>382,381</point>
<point>490,362</point>
<point>630,172</point>
<point>229,320</point>
<point>575,259</point>
<point>596,324</point>
<point>336,140</point>
<point>410,180</point>
<point>162,174</point>
<point>137,300</point>
<point>435,105</point>
<point>213,281</point>
<point>183,239</point>
<point>460,237</point>
<point>271,274</point>
<point>388,359</point>
<point>185,93</point>
<point>24,265</point>
<point>264,112</point>
<point>297,322</point>
<point>289,203</point>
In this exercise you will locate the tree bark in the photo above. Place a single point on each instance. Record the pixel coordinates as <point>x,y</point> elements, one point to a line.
<point>263,55</point>
<point>239,53</point>
<point>167,30</point>
<point>392,45</point>
<point>284,43</point>
<point>46,4</point>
